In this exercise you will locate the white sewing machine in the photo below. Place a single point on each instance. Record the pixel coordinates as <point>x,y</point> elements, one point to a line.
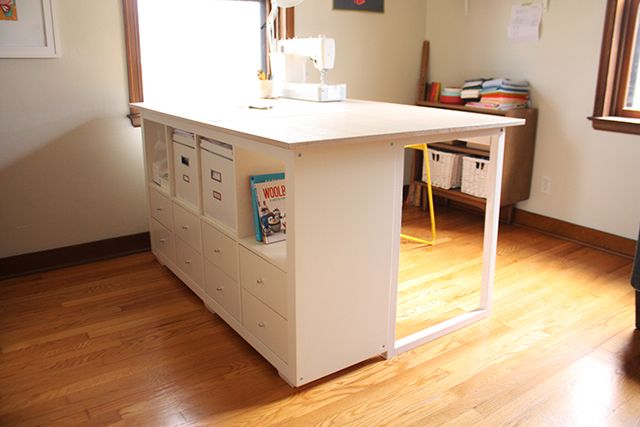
<point>290,68</point>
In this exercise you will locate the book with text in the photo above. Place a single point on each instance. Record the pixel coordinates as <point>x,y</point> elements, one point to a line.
<point>268,194</point>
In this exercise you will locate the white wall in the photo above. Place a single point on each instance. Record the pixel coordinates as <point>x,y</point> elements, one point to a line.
<point>595,175</point>
<point>70,162</point>
<point>377,54</point>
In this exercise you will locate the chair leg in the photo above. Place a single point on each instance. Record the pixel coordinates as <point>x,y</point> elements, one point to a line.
<point>428,199</point>
<point>411,193</point>
<point>418,195</point>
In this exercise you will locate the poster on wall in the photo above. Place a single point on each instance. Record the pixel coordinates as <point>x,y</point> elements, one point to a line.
<point>365,5</point>
<point>31,35</point>
<point>8,10</point>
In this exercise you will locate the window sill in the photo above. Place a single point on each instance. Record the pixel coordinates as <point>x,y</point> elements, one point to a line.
<point>134,116</point>
<point>616,124</point>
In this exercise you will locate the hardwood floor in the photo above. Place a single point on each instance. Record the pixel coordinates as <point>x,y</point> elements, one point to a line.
<point>123,342</point>
<point>451,284</point>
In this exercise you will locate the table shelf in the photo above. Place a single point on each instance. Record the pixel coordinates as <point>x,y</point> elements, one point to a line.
<point>518,158</point>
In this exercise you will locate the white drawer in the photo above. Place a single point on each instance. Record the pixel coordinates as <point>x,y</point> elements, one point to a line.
<point>160,208</point>
<point>222,288</point>
<point>187,226</point>
<point>220,250</point>
<point>189,262</point>
<point>186,173</point>
<point>265,324</point>
<point>218,188</point>
<point>264,281</point>
<point>162,240</point>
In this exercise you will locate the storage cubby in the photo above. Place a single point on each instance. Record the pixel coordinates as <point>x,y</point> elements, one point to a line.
<point>156,155</point>
<point>250,163</point>
<point>202,228</point>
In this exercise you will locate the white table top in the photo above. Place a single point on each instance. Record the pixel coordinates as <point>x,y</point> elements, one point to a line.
<point>290,123</point>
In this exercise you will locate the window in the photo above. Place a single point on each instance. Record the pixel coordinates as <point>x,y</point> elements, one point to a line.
<point>630,96</point>
<point>617,104</point>
<point>203,49</point>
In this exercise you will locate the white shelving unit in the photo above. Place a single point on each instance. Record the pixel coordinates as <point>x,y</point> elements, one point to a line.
<point>325,298</point>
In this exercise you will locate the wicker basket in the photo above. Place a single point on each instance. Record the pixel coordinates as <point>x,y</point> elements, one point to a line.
<point>445,169</point>
<point>475,172</point>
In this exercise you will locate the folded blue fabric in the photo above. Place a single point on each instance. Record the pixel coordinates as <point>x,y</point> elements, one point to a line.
<point>514,84</point>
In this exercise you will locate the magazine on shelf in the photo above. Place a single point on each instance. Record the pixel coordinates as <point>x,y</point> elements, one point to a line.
<point>268,196</point>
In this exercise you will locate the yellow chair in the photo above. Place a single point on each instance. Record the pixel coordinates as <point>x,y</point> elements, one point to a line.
<point>423,147</point>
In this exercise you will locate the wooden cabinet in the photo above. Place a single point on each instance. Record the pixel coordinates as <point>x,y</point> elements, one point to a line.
<point>518,159</point>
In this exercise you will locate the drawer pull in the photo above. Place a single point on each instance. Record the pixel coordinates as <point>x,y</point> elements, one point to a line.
<point>217,251</point>
<point>187,261</point>
<point>262,324</point>
<point>260,282</point>
<point>163,240</point>
<point>159,209</point>
<point>219,288</point>
<point>185,227</point>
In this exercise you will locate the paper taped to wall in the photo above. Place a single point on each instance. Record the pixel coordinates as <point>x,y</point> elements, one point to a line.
<point>524,25</point>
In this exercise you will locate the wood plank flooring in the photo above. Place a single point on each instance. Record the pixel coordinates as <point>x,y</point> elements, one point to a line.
<point>123,342</point>
<point>432,287</point>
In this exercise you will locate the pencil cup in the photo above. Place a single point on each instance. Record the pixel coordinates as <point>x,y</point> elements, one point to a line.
<point>266,88</point>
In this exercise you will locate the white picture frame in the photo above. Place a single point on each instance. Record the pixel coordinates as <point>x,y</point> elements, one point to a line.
<point>32,35</point>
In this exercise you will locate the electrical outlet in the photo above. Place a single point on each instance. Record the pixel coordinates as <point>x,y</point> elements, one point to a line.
<point>545,186</point>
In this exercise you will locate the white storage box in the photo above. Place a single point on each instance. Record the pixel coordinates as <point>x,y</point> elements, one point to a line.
<point>445,169</point>
<point>475,173</point>
<point>218,182</point>
<point>183,137</point>
<point>185,167</point>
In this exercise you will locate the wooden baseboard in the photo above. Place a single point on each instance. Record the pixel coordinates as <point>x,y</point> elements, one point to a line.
<point>586,236</point>
<point>37,262</point>
<point>557,228</point>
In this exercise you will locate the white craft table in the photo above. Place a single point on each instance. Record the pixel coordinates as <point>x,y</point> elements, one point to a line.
<point>325,298</point>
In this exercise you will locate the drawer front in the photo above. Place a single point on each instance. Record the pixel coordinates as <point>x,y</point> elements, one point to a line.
<point>218,188</point>
<point>222,288</point>
<point>187,226</point>
<point>221,250</point>
<point>186,173</point>
<point>189,262</point>
<point>161,208</point>
<point>264,281</point>
<point>162,240</point>
<point>265,324</point>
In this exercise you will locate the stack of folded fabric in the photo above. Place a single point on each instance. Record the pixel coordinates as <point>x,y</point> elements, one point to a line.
<point>451,95</point>
<point>471,90</point>
<point>503,94</point>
